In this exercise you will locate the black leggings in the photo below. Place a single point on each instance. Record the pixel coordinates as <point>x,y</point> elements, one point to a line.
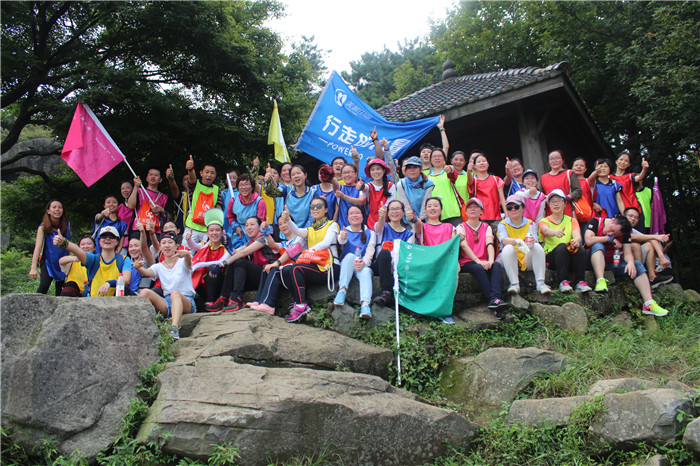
<point>71,289</point>
<point>560,259</point>
<point>296,277</point>
<point>382,267</point>
<point>45,281</point>
<point>240,276</point>
<point>213,286</point>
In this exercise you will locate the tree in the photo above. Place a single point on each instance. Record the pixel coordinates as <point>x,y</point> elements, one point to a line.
<point>202,84</point>
<point>373,77</point>
<point>634,63</point>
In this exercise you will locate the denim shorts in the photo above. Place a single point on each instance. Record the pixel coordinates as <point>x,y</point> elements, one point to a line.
<point>170,304</point>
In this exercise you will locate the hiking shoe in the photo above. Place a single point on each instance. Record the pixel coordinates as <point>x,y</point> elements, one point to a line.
<point>514,289</point>
<point>262,307</point>
<point>654,310</point>
<point>583,287</point>
<point>543,288</point>
<point>565,286</point>
<point>298,311</point>
<point>601,286</point>
<point>498,304</point>
<point>365,311</point>
<point>339,298</point>
<point>174,332</point>
<point>214,306</point>
<point>448,319</point>
<point>661,280</point>
<point>386,298</point>
<point>233,305</point>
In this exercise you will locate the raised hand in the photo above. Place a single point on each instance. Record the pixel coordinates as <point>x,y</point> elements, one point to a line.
<point>441,122</point>
<point>189,166</point>
<point>256,161</point>
<point>284,216</point>
<point>58,239</point>
<point>382,212</point>
<point>373,133</point>
<point>409,214</point>
<point>137,182</point>
<point>343,236</point>
<point>385,144</point>
<point>645,164</point>
<point>169,172</point>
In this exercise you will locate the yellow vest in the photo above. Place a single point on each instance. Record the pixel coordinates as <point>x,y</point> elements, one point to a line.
<point>315,236</point>
<point>104,273</point>
<point>77,274</point>
<point>518,233</point>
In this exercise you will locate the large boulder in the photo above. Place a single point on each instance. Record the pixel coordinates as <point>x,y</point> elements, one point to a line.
<point>570,316</point>
<point>252,337</point>
<point>274,414</point>
<point>624,385</point>
<point>70,367</point>
<point>555,411</point>
<point>640,416</point>
<point>691,438</point>
<point>482,384</point>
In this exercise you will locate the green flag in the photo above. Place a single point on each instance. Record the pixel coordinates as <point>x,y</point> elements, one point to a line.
<point>427,276</point>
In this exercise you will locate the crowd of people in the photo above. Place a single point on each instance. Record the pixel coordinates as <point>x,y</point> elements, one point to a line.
<point>259,231</point>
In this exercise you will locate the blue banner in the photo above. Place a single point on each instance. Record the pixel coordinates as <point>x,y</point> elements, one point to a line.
<point>341,120</point>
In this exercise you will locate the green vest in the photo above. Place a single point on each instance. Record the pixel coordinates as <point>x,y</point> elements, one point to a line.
<point>551,242</point>
<point>644,198</point>
<point>198,207</point>
<point>445,191</point>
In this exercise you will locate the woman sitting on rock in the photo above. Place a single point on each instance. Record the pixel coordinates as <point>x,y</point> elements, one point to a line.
<point>386,233</point>
<point>207,278</point>
<point>321,237</point>
<point>519,249</point>
<point>175,275</point>
<point>477,256</point>
<point>433,231</point>
<point>271,278</point>
<point>562,244</point>
<point>358,243</point>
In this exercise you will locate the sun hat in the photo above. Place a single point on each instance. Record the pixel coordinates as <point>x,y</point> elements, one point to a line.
<point>375,162</point>
<point>514,199</point>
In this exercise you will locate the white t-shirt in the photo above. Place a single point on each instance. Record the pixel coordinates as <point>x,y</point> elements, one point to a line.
<point>178,278</point>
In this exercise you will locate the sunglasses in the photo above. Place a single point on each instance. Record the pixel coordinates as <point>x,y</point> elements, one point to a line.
<point>316,206</point>
<point>512,207</point>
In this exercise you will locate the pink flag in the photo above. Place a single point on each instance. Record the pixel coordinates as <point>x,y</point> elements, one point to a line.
<point>89,150</point>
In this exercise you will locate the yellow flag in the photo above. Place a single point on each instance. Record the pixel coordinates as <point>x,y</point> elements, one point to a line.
<point>275,136</point>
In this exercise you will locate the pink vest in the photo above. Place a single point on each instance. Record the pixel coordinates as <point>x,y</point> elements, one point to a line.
<point>532,207</point>
<point>436,234</point>
<point>479,248</point>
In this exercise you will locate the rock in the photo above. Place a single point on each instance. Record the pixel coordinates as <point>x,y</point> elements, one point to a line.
<point>476,317</point>
<point>496,376</point>
<point>657,460</point>
<point>380,316</point>
<point>344,318</point>
<point>680,386</point>
<point>641,416</point>
<point>353,293</point>
<point>650,323</point>
<point>692,295</point>
<point>691,438</point>
<point>668,295</point>
<point>624,320</point>
<point>519,304</point>
<point>252,337</point>
<point>70,367</point>
<point>570,316</point>
<point>624,385</point>
<point>274,414</point>
<point>555,411</point>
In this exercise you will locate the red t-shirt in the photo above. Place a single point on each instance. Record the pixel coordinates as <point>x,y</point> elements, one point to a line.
<point>559,181</point>
<point>629,198</point>
<point>487,193</point>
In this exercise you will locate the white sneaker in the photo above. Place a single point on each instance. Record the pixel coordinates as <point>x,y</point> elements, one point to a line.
<point>543,288</point>
<point>565,286</point>
<point>514,289</point>
<point>583,287</point>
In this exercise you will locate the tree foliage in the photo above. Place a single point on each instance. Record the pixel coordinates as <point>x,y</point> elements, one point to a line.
<point>380,77</point>
<point>166,78</point>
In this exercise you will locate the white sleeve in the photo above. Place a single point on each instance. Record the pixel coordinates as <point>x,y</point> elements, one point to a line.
<point>329,239</point>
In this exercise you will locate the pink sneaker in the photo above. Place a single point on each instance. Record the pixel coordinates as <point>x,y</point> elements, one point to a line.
<point>298,311</point>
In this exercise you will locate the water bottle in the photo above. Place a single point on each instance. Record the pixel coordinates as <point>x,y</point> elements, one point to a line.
<point>616,257</point>
<point>529,240</point>
<point>358,254</point>
<point>120,285</point>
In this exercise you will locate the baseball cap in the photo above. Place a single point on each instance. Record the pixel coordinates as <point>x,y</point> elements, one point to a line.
<point>109,230</point>
<point>514,199</point>
<point>530,171</point>
<point>475,201</point>
<point>557,192</point>
<point>415,161</point>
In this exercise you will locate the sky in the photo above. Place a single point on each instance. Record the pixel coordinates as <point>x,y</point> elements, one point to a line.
<point>349,29</point>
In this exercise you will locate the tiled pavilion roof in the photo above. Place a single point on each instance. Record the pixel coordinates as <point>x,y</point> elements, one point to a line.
<point>458,91</point>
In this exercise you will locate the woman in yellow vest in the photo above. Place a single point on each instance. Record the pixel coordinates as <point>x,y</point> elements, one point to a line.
<point>102,269</point>
<point>519,250</point>
<point>562,243</point>
<point>321,237</point>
